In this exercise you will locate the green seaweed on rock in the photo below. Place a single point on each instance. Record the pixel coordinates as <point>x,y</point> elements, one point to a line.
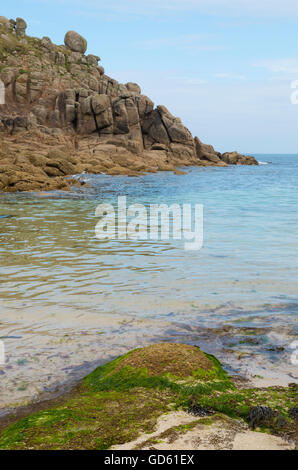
<point>125,397</point>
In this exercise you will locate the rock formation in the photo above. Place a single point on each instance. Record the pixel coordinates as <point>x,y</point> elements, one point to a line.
<point>58,96</point>
<point>75,42</point>
<point>20,27</point>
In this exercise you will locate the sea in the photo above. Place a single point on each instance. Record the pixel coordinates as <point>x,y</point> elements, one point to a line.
<point>70,301</point>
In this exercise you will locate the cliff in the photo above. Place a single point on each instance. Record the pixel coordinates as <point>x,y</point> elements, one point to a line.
<point>63,115</point>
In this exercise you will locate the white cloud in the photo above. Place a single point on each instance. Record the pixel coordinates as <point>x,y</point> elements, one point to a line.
<point>190,43</point>
<point>247,115</point>
<point>188,81</point>
<point>183,40</point>
<point>229,76</point>
<point>287,67</point>
<point>286,8</point>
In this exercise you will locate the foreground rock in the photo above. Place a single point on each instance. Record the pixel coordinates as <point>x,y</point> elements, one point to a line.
<point>165,396</point>
<point>59,93</point>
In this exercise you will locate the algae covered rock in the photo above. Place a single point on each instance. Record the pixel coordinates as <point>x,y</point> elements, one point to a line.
<point>119,400</point>
<point>180,360</point>
<point>124,398</point>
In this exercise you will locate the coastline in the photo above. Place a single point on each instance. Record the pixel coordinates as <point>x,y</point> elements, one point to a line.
<point>62,115</point>
<point>34,161</point>
<point>134,343</point>
<point>50,343</point>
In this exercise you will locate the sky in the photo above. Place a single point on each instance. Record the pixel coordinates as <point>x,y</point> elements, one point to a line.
<point>225,67</point>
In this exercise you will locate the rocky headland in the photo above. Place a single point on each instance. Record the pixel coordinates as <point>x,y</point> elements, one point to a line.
<point>63,116</point>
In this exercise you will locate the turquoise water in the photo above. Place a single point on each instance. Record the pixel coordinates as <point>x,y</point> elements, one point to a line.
<point>248,261</point>
<point>246,273</point>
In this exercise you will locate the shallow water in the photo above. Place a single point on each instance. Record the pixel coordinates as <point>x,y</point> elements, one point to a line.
<point>70,301</point>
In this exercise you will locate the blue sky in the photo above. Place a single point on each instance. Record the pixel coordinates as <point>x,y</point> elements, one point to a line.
<point>224,67</point>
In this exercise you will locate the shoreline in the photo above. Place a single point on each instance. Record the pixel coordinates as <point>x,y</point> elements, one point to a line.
<point>237,365</point>
<point>33,161</point>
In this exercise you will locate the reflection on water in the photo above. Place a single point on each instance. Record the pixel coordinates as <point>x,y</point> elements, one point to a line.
<point>52,264</point>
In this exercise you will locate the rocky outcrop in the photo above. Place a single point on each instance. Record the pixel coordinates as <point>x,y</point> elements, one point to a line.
<point>59,92</point>
<point>207,155</point>
<point>235,158</point>
<point>20,27</point>
<point>75,42</point>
